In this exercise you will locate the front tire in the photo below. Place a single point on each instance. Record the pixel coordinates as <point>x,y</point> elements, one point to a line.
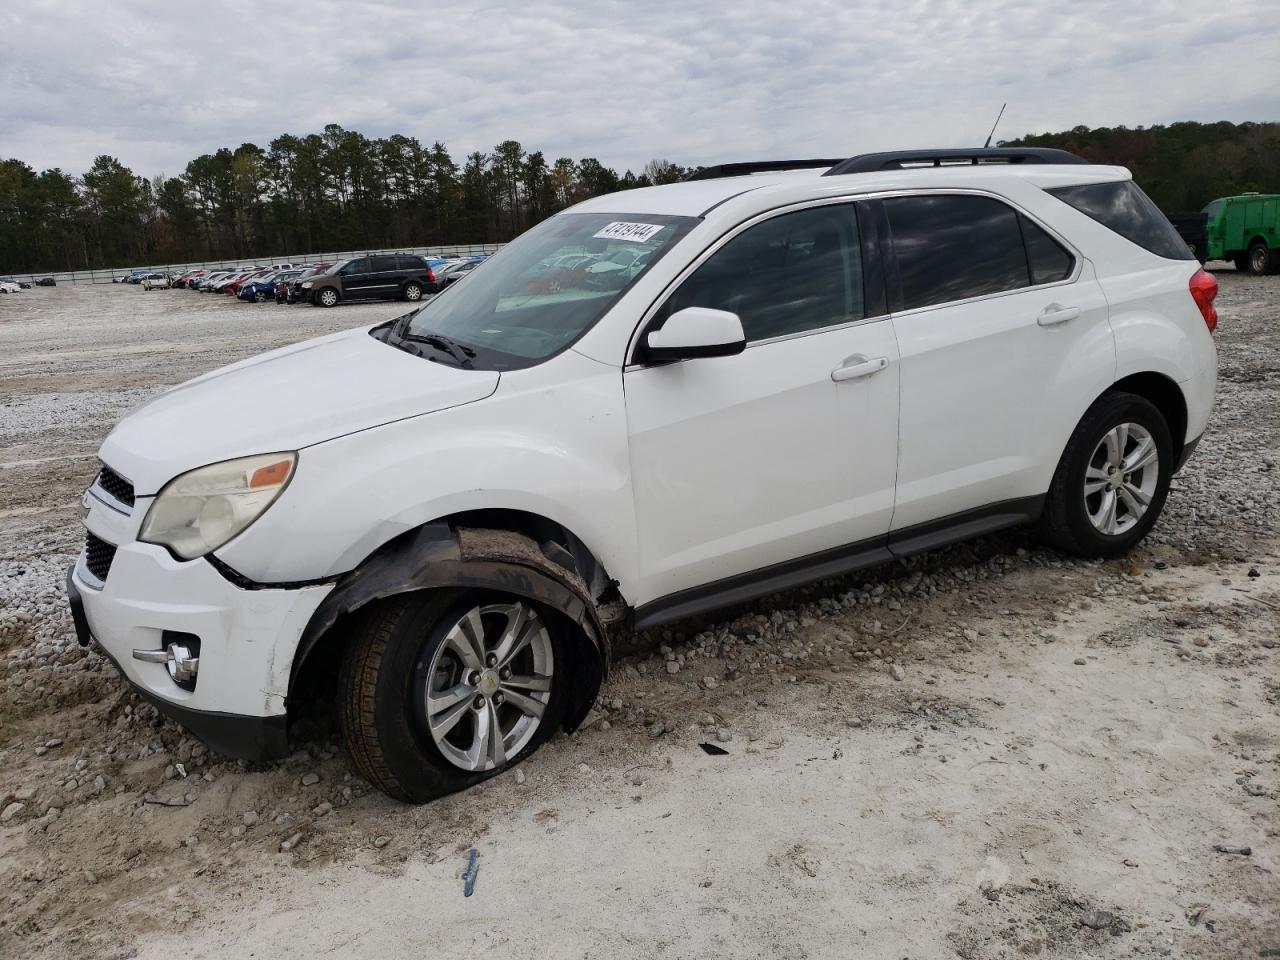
<point>260,297</point>
<point>1112,480</point>
<point>328,297</point>
<point>443,689</point>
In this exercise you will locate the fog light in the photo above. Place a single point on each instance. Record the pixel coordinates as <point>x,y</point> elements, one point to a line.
<point>180,656</point>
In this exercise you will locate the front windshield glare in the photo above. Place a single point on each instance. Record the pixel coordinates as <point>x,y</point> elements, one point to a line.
<point>548,286</point>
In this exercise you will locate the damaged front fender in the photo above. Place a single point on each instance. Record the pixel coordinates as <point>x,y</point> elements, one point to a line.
<point>438,556</point>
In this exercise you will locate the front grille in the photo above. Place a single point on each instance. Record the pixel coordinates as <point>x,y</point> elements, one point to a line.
<point>116,485</point>
<point>98,555</point>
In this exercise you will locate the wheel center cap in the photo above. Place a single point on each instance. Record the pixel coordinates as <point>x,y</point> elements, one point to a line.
<point>488,684</point>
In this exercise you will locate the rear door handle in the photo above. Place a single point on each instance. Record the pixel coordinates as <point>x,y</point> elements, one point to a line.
<point>851,368</point>
<point>1055,313</point>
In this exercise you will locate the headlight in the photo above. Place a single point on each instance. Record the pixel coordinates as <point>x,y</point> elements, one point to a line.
<point>307,286</point>
<point>199,511</point>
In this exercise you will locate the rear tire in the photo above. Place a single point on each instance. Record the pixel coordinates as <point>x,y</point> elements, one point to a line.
<point>418,695</point>
<point>412,292</point>
<point>1261,261</point>
<point>1112,480</point>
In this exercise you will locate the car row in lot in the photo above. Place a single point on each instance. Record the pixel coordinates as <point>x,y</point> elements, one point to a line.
<point>384,277</point>
<point>11,285</point>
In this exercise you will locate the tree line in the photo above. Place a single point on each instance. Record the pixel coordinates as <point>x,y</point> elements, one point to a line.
<point>336,190</point>
<point>341,190</point>
<point>1181,166</point>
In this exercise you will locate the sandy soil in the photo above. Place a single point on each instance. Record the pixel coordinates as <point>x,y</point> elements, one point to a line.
<point>991,751</point>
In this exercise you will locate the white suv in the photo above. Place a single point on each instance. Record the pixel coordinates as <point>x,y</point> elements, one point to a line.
<point>787,376</point>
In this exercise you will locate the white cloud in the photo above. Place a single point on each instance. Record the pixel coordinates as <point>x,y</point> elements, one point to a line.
<point>156,83</point>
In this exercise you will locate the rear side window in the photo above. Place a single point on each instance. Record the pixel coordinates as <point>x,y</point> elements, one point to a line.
<point>412,263</point>
<point>792,273</point>
<point>1049,261</point>
<point>381,264</point>
<point>1123,208</point>
<point>952,247</point>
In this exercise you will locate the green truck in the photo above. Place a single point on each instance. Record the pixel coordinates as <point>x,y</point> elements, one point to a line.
<point>1244,230</point>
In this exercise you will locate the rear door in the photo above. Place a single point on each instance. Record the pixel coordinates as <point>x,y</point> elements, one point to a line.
<point>1005,341</point>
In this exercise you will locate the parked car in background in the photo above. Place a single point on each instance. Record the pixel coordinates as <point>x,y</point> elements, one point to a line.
<point>456,271</point>
<point>813,372</point>
<point>233,288</point>
<point>20,284</point>
<point>382,277</point>
<point>294,292</point>
<point>9,286</point>
<point>46,282</point>
<point>155,281</point>
<point>261,289</point>
<point>188,277</point>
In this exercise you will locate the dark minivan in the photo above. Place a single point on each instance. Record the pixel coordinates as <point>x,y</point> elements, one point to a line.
<point>398,276</point>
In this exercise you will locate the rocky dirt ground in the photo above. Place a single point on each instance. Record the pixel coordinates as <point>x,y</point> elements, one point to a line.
<point>991,751</point>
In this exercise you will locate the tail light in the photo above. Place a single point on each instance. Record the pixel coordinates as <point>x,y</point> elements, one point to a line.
<point>431,275</point>
<point>1204,288</point>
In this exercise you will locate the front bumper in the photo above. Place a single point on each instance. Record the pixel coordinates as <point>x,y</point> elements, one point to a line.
<point>247,641</point>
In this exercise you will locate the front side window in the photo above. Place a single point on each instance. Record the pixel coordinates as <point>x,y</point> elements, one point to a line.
<point>545,289</point>
<point>1122,207</point>
<point>792,273</point>
<point>953,247</point>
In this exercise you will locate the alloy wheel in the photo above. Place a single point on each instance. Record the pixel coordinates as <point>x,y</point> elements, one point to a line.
<point>1121,478</point>
<point>488,686</point>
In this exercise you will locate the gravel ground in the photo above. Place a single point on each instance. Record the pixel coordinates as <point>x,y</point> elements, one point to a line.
<point>989,751</point>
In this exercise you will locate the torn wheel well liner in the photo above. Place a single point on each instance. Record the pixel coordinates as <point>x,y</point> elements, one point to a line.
<point>442,555</point>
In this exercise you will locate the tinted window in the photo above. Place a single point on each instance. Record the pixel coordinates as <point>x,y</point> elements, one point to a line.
<point>955,247</point>
<point>1122,207</point>
<point>355,266</point>
<point>383,263</point>
<point>795,272</point>
<point>1050,261</point>
<point>412,263</point>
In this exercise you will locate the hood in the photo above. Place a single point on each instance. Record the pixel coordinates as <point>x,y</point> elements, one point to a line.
<point>284,400</point>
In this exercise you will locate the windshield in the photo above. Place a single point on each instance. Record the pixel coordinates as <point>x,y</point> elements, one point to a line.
<point>1212,209</point>
<point>546,288</point>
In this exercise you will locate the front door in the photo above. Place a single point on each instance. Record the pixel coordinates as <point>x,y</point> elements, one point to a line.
<point>358,279</point>
<point>785,450</point>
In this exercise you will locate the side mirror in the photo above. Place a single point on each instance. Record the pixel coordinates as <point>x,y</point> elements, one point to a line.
<point>697,332</point>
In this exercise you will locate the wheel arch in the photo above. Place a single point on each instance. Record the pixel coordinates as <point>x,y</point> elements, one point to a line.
<point>1165,394</point>
<point>504,550</point>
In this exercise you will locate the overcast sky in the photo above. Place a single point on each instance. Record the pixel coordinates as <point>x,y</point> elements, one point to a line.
<point>157,82</point>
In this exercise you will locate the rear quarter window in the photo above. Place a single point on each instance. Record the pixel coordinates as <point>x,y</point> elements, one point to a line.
<point>1123,208</point>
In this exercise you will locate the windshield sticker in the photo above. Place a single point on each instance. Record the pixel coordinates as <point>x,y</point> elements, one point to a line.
<point>635,232</point>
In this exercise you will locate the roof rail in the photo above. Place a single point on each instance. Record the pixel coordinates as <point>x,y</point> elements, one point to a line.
<point>898,159</point>
<point>759,166</point>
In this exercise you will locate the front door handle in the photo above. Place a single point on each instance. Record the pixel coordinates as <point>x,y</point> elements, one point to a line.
<point>1056,313</point>
<point>851,368</point>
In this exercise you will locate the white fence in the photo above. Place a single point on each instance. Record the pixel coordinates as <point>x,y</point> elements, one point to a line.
<point>177,269</point>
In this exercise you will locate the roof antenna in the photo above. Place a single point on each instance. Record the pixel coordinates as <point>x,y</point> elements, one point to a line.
<point>994,125</point>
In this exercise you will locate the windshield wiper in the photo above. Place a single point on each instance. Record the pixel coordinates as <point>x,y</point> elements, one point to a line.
<point>438,340</point>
